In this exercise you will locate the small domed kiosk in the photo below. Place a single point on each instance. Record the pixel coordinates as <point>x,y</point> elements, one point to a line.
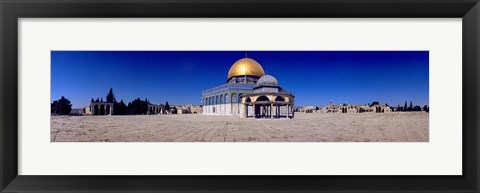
<point>268,100</point>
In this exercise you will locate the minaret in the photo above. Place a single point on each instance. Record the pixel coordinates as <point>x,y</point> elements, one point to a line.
<point>331,104</point>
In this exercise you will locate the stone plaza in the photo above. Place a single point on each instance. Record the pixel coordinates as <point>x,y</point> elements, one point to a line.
<point>306,127</point>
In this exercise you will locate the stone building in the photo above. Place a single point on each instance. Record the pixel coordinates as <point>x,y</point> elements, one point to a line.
<point>154,109</point>
<point>350,108</point>
<point>76,112</point>
<point>299,109</point>
<point>380,108</point>
<point>248,92</point>
<point>86,111</point>
<point>101,108</point>
<point>186,109</point>
<point>309,109</point>
<point>346,108</point>
<point>196,109</point>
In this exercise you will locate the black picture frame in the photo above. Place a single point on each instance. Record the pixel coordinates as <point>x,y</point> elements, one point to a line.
<point>11,10</point>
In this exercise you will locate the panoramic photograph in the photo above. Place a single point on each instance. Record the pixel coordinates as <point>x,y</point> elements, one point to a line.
<point>239,96</point>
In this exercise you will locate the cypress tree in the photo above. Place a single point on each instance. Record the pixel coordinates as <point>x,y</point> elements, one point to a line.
<point>110,97</point>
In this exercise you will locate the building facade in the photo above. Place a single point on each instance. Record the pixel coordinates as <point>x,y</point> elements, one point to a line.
<point>156,109</point>
<point>351,108</point>
<point>101,108</point>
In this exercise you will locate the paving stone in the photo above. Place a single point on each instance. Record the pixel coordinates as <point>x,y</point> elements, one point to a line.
<point>358,127</point>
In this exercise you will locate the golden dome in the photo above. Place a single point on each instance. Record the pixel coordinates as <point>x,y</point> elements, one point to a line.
<point>246,66</point>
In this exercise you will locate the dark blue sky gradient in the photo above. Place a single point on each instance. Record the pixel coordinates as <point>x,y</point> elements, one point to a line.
<point>179,77</point>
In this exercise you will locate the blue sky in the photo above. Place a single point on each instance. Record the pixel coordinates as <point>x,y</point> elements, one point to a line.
<point>179,77</point>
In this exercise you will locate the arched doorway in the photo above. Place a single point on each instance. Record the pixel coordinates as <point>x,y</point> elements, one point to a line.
<point>96,110</point>
<point>278,106</point>
<point>261,109</point>
<point>102,109</point>
<point>108,110</point>
<point>248,103</point>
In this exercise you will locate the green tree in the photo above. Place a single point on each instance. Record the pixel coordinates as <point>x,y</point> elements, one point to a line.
<point>425,108</point>
<point>145,106</point>
<point>167,107</point>
<point>137,107</point>
<point>405,106</point>
<point>129,107</point>
<point>55,108</point>
<point>417,108</point>
<point>120,108</point>
<point>110,96</point>
<point>410,108</point>
<point>62,106</point>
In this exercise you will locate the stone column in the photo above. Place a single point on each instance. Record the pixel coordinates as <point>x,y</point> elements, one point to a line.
<point>242,111</point>
<point>271,107</point>
<point>260,109</point>
<point>245,110</point>
<point>288,111</point>
<point>279,108</point>
<point>268,111</point>
<point>254,111</point>
<point>264,111</point>
<point>276,110</point>
<point>293,111</point>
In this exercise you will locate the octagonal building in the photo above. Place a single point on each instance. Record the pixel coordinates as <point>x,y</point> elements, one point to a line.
<point>248,92</point>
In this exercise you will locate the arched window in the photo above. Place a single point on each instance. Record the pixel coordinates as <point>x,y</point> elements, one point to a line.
<point>225,98</point>
<point>221,99</point>
<point>262,98</point>
<point>279,98</point>
<point>233,97</point>
<point>239,98</point>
